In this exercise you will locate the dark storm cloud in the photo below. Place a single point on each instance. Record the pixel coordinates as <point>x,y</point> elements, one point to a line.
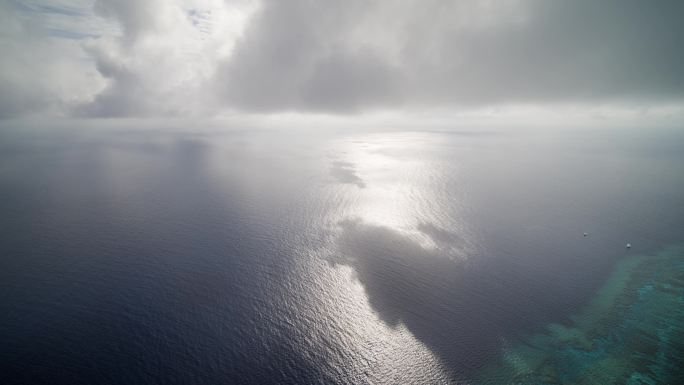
<point>345,56</point>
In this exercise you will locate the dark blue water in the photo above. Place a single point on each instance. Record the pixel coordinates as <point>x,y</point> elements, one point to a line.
<point>141,253</point>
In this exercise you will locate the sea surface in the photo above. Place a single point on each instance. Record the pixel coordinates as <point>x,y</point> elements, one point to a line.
<point>140,253</point>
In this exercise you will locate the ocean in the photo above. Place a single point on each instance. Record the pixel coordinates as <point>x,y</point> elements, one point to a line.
<point>139,253</point>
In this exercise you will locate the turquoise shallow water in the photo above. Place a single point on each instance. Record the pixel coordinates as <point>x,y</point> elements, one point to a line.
<point>632,332</point>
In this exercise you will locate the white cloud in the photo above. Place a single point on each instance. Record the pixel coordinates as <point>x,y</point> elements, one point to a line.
<point>39,72</point>
<point>114,57</point>
<point>166,55</point>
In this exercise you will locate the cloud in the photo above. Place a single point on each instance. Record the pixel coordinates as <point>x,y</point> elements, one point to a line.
<point>162,62</point>
<point>337,57</point>
<point>111,58</point>
<point>203,57</point>
<point>39,72</point>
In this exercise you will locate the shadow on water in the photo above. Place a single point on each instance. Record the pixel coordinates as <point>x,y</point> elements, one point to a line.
<point>345,172</point>
<point>460,316</point>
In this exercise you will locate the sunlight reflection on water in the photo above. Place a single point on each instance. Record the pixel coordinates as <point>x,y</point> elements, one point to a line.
<point>314,257</point>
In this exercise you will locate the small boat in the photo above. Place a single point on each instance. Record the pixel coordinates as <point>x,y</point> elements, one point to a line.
<point>585,234</point>
<point>628,246</point>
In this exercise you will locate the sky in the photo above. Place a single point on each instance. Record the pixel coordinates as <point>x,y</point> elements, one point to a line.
<point>199,58</point>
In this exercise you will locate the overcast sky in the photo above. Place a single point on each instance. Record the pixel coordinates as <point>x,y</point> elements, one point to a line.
<point>133,58</point>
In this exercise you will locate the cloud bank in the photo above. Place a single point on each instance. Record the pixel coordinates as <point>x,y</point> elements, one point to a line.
<point>202,57</point>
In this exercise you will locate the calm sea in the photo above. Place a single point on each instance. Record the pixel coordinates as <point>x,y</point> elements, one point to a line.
<point>141,254</point>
